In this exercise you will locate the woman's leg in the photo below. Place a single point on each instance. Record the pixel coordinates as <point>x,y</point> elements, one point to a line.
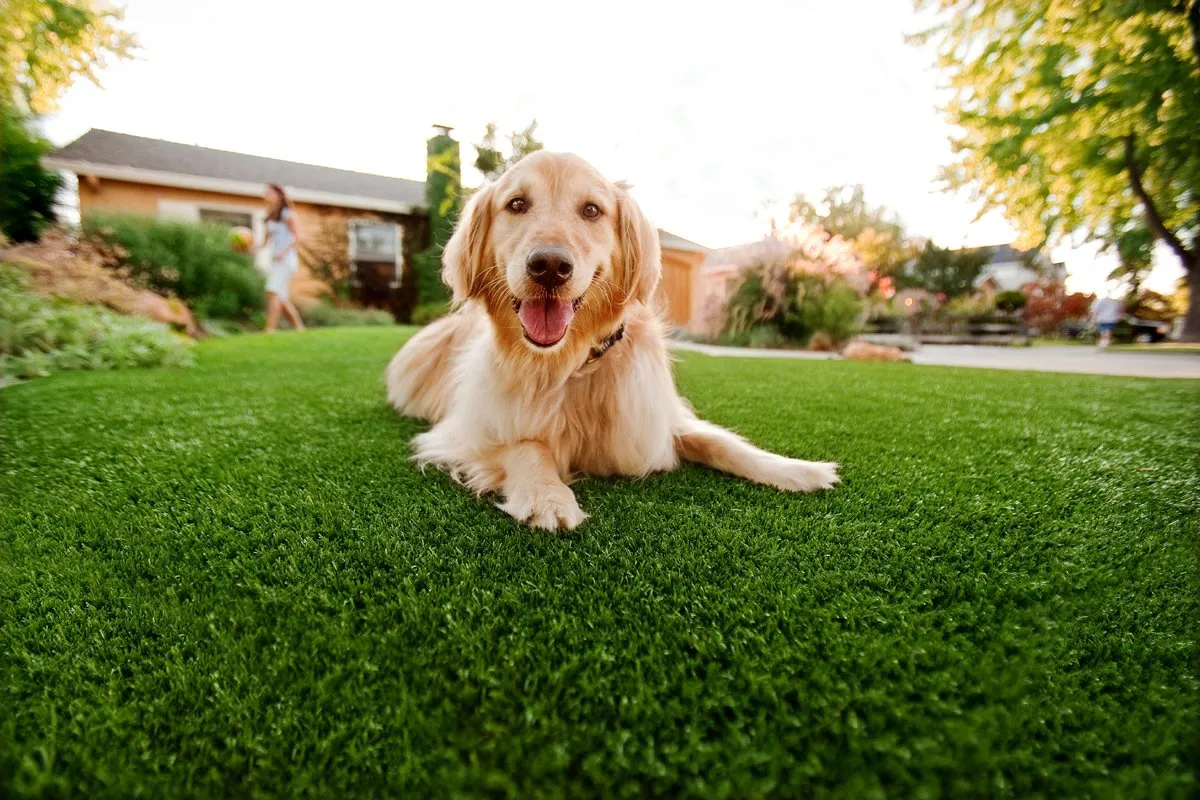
<point>292,314</point>
<point>272,312</point>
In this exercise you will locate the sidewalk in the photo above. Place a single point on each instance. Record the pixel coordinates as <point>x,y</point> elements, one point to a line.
<point>1071,359</point>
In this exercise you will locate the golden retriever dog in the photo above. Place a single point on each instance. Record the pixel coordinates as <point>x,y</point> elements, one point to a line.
<point>555,363</point>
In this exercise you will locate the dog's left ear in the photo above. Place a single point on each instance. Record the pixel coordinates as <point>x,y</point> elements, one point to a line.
<point>639,253</point>
<point>467,254</point>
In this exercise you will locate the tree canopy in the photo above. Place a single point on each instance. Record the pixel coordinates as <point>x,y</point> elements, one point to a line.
<point>1078,116</point>
<point>941,270</point>
<point>27,191</point>
<point>492,162</point>
<point>877,234</point>
<point>46,45</point>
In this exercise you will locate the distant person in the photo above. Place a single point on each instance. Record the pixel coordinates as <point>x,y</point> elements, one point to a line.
<point>282,238</point>
<point>1107,313</point>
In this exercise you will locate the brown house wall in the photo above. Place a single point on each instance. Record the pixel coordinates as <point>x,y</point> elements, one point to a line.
<point>678,291</point>
<point>107,195</point>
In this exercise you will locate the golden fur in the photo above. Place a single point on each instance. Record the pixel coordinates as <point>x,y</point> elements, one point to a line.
<point>521,420</point>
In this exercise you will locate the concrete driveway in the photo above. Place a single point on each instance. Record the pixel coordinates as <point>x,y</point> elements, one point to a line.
<point>1078,359</point>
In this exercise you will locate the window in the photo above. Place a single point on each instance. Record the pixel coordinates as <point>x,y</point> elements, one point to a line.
<point>375,241</point>
<point>230,219</point>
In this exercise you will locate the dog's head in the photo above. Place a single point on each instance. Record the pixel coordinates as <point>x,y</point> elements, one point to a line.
<point>555,247</point>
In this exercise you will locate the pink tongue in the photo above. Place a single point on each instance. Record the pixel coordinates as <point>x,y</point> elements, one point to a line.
<point>545,319</point>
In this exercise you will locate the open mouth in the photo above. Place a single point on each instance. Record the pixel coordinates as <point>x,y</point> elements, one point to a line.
<point>545,319</point>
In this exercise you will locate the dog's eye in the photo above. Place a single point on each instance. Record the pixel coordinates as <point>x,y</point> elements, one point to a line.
<point>590,211</point>
<point>518,205</point>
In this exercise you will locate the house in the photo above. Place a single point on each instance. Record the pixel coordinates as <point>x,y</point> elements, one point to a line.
<point>683,264</point>
<point>383,218</point>
<point>1009,269</point>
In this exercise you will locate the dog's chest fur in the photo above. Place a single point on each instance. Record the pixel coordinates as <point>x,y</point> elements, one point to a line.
<point>612,417</point>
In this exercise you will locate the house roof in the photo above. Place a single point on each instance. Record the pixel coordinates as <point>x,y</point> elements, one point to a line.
<point>669,241</point>
<point>119,155</point>
<point>999,253</point>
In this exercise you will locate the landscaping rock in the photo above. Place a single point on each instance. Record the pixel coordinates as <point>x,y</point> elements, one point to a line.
<point>865,351</point>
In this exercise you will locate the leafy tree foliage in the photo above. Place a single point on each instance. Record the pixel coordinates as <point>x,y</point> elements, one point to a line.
<point>944,271</point>
<point>492,162</point>
<point>1078,115</point>
<point>46,45</point>
<point>27,191</point>
<point>877,234</point>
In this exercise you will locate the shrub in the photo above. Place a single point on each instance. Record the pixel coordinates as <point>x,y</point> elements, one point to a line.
<point>39,336</point>
<point>428,312</point>
<point>979,305</point>
<point>1049,307</point>
<point>86,270</point>
<point>1010,302</point>
<point>822,306</point>
<point>325,251</point>
<point>27,191</point>
<point>796,305</point>
<point>324,315</point>
<point>190,261</point>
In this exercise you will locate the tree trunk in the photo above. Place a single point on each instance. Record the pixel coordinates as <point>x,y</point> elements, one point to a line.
<point>1191,323</point>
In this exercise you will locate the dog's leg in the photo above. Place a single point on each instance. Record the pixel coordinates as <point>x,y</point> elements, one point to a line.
<point>533,491</point>
<point>708,444</point>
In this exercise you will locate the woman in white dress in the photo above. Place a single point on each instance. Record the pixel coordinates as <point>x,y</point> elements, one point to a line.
<point>282,238</point>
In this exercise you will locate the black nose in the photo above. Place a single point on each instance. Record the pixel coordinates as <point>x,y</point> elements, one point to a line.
<point>549,266</point>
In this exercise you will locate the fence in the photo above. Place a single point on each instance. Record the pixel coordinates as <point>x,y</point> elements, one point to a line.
<point>908,332</point>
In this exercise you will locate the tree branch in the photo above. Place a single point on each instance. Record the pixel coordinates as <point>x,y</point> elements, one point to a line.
<point>1153,218</point>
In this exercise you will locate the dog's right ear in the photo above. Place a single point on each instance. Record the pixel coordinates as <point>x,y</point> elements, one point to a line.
<point>468,253</point>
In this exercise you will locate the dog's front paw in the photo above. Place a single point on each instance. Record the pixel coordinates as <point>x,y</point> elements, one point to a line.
<point>548,507</point>
<point>794,475</point>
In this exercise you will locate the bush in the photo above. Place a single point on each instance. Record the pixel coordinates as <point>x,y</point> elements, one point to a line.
<point>27,191</point>
<point>190,261</point>
<point>796,306</point>
<point>1010,302</point>
<point>39,336</point>
<point>324,315</point>
<point>970,306</point>
<point>821,306</point>
<point>428,312</point>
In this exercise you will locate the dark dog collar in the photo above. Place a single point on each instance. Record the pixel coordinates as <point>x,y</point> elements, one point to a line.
<point>606,345</point>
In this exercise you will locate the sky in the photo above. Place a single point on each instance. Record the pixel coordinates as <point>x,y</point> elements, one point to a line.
<point>717,117</point>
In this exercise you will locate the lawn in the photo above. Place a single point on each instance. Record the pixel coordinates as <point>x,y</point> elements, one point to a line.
<point>229,580</point>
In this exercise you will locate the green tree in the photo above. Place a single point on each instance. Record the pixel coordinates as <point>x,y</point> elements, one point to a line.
<point>1078,115</point>
<point>492,162</point>
<point>443,198</point>
<point>877,233</point>
<point>27,191</point>
<point>46,45</point>
<point>1135,251</point>
<point>939,269</point>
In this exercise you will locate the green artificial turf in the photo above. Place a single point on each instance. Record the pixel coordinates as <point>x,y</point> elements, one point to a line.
<point>230,581</point>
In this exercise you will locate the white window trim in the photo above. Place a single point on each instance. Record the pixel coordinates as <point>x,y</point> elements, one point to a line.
<point>398,258</point>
